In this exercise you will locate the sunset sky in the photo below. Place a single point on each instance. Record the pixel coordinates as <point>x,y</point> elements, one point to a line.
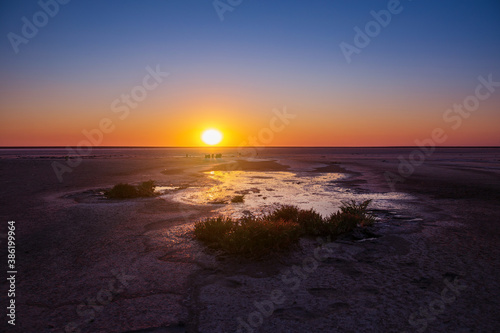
<point>231,74</point>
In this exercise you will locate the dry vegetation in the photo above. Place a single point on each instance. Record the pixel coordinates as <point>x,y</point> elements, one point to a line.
<point>280,229</point>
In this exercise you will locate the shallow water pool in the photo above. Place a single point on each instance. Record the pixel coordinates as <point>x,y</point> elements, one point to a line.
<point>264,191</point>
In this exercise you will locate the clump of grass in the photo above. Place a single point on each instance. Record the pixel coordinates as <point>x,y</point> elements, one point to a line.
<point>309,220</point>
<point>127,191</point>
<point>359,212</point>
<point>258,237</point>
<point>312,223</point>
<point>285,213</point>
<point>212,230</point>
<point>146,189</point>
<point>251,237</point>
<point>350,216</point>
<point>122,191</point>
<point>254,237</point>
<point>339,223</point>
<point>238,199</point>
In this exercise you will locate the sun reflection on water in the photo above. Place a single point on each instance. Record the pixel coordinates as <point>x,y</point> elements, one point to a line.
<point>263,191</point>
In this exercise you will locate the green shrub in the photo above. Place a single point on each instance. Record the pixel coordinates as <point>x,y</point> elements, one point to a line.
<point>238,199</point>
<point>122,191</point>
<point>359,210</point>
<point>350,216</point>
<point>258,237</point>
<point>127,191</point>
<point>285,213</point>
<point>146,189</point>
<point>249,237</point>
<point>278,230</point>
<point>311,222</point>
<point>339,223</point>
<point>212,230</point>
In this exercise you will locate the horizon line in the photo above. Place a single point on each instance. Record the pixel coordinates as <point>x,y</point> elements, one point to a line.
<point>242,147</point>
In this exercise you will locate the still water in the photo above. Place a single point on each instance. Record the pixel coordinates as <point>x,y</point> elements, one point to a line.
<point>263,191</point>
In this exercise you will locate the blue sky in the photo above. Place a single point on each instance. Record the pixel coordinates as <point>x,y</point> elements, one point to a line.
<point>281,51</point>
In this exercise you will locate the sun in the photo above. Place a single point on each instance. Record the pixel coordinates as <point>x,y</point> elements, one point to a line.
<point>211,137</point>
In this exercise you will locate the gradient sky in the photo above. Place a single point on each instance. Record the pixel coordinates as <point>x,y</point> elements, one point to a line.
<point>231,74</point>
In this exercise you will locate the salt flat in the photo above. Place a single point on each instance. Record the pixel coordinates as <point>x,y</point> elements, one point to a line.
<point>104,265</point>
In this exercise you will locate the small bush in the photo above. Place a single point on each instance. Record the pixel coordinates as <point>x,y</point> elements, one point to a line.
<point>339,223</point>
<point>258,237</point>
<point>212,230</point>
<point>285,213</point>
<point>238,199</point>
<point>146,189</point>
<point>249,237</point>
<point>122,191</point>
<point>350,216</point>
<point>127,191</point>
<point>311,222</point>
<point>358,210</point>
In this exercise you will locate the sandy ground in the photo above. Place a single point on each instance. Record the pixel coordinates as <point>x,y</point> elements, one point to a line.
<point>93,265</point>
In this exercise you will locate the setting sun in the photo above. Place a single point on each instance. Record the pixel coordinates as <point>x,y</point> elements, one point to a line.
<point>211,137</point>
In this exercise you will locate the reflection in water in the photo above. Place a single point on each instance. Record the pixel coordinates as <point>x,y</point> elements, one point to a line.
<point>263,191</point>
